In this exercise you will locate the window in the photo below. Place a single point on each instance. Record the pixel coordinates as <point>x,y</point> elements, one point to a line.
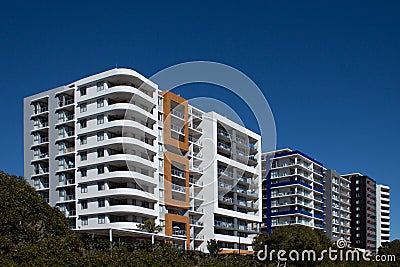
<point>357,222</point>
<point>357,235</point>
<point>84,188</point>
<point>100,152</point>
<point>100,86</point>
<point>83,139</point>
<point>357,188</point>
<point>100,119</point>
<point>100,169</point>
<point>84,204</point>
<point>82,91</point>
<point>100,102</point>
<point>83,107</point>
<point>101,202</point>
<point>102,219</point>
<point>357,181</point>
<point>357,215</point>
<point>83,124</point>
<point>83,172</point>
<point>83,156</point>
<point>101,186</point>
<point>100,136</point>
<point>84,220</point>
<point>357,201</point>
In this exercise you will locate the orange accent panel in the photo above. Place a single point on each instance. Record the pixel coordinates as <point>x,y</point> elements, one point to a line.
<point>169,218</point>
<point>168,140</point>
<point>170,157</point>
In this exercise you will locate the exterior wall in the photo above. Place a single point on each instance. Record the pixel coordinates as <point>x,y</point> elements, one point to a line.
<point>293,190</point>
<point>337,206</point>
<point>382,215</point>
<point>363,211</point>
<point>116,157</point>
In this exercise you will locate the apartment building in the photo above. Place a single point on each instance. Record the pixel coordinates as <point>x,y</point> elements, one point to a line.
<point>382,215</point>
<point>337,206</point>
<point>112,150</point>
<point>293,190</point>
<point>363,211</point>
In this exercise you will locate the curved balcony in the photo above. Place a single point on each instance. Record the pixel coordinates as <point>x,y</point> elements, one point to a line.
<point>125,124</point>
<point>122,209</point>
<point>128,158</point>
<point>139,194</point>
<point>125,90</point>
<point>128,175</point>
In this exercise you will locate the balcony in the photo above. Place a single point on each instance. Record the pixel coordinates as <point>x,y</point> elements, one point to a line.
<point>40,110</point>
<point>178,188</point>
<point>225,172</point>
<point>224,146</point>
<point>178,173</point>
<point>178,114</point>
<point>223,133</point>
<point>178,129</point>
<point>225,199</point>
<point>66,102</point>
<point>225,186</point>
<point>224,224</point>
<point>178,232</point>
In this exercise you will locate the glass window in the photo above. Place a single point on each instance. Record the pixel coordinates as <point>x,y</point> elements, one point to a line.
<point>83,124</point>
<point>83,156</point>
<point>100,152</point>
<point>101,202</point>
<point>83,107</point>
<point>82,91</point>
<point>84,204</point>
<point>84,220</point>
<point>100,136</point>
<point>100,169</point>
<point>102,219</point>
<point>83,139</point>
<point>100,119</point>
<point>100,86</point>
<point>100,102</point>
<point>83,172</point>
<point>100,186</point>
<point>84,188</point>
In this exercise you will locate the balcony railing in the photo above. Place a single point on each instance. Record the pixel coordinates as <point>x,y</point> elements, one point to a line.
<point>224,224</point>
<point>177,128</point>
<point>224,146</point>
<point>223,133</point>
<point>225,186</point>
<point>178,232</point>
<point>178,188</point>
<point>225,172</point>
<point>178,173</point>
<point>226,199</point>
<point>178,113</point>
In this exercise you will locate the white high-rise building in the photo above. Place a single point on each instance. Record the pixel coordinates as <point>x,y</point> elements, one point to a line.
<point>382,215</point>
<point>112,150</point>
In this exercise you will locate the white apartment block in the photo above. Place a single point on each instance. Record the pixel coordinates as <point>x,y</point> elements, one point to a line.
<point>382,215</point>
<point>293,190</point>
<point>337,206</point>
<point>112,150</point>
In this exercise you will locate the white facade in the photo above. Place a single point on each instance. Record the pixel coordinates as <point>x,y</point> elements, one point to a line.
<point>96,149</point>
<point>382,215</point>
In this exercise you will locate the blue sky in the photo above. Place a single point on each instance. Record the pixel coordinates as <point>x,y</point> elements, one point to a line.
<point>330,70</point>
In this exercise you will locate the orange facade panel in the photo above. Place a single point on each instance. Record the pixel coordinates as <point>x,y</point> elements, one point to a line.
<point>168,99</point>
<point>170,218</point>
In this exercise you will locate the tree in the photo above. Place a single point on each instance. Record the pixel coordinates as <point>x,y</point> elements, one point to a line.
<point>391,248</point>
<point>150,226</point>
<point>213,247</point>
<point>31,232</point>
<point>293,237</point>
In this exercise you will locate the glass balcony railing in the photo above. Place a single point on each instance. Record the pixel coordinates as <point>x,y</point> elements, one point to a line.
<point>225,172</point>
<point>178,113</point>
<point>178,173</point>
<point>178,188</point>
<point>224,224</point>
<point>223,133</point>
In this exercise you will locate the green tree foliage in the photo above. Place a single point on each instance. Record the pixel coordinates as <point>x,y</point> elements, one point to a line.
<point>150,226</point>
<point>213,247</point>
